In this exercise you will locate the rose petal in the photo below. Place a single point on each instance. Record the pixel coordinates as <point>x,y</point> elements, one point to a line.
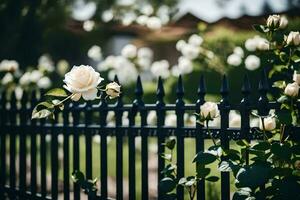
<point>76,97</point>
<point>90,94</point>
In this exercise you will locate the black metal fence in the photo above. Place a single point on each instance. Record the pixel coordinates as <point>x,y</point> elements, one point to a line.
<point>90,119</point>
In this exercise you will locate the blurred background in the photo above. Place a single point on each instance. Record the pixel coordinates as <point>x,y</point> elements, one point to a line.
<point>52,36</point>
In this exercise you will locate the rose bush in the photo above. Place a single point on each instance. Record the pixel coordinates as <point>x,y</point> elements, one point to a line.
<point>273,171</point>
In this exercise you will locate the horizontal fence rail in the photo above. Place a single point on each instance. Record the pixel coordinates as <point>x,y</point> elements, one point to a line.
<point>25,142</point>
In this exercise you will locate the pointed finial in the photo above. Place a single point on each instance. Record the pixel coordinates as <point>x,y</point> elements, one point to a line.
<point>119,99</point>
<point>263,83</point>
<point>224,87</point>
<point>246,88</point>
<point>202,87</point>
<point>139,88</point>
<point>160,92</point>
<point>180,88</point>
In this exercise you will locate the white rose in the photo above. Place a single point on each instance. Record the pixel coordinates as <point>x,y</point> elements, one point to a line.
<point>107,15</point>
<point>195,40</point>
<point>25,79</point>
<point>95,53</point>
<point>269,124</point>
<point>88,25</point>
<point>252,62</point>
<point>160,68</point>
<point>152,118</point>
<point>185,65</point>
<point>45,63</point>
<point>180,44</point>
<point>82,81</point>
<point>8,78</point>
<point>144,63</point>
<point>283,22</point>
<point>128,18</point>
<point>209,110</point>
<point>113,90</point>
<point>190,51</point>
<point>175,71</point>
<point>239,51</point>
<point>142,19</point>
<point>62,67</point>
<point>147,9</point>
<point>250,44</point>
<point>44,83</point>
<point>9,65</point>
<point>293,38</point>
<point>154,23</point>
<point>129,51</point>
<point>234,119</point>
<point>234,60</point>
<point>273,21</point>
<point>296,77</point>
<point>292,89</point>
<point>35,76</point>
<point>145,52</point>
<point>263,45</point>
<point>171,120</point>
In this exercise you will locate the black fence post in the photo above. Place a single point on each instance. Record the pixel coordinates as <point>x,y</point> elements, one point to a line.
<point>160,112</point>
<point>66,166</point>
<point>224,112</point>
<point>3,153</point>
<point>33,149</point>
<point>180,135</point>
<point>88,140</point>
<point>103,132</point>
<point>199,134</point>
<point>12,145</point>
<point>245,113</point>
<point>22,143</point>
<point>119,145</point>
<point>76,150</point>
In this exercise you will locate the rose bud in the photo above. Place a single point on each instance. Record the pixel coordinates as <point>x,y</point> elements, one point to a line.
<point>113,90</point>
<point>292,89</point>
<point>209,110</point>
<point>293,38</point>
<point>269,124</point>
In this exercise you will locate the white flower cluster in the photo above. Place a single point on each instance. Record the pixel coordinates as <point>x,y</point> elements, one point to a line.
<point>35,77</point>
<point>257,43</point>
<point>190,50</point>
<point>134,61</point>
<point>292,89</point>
<point>235,59</point>
<point>142,14</point>
<point>9,69</point>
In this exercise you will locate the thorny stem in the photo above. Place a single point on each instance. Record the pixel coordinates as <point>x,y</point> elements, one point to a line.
<point>210,133</point>
<point>62,101</point>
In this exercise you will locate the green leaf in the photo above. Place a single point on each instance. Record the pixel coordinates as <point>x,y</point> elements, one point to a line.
<point>296,149</point>
<point>212,178</point>
<point>261,146</point>
<point>78,176</point>
<point>44,113</point>
<point>283,99</point>
<point>243,143</point>
<point>260,28</point>
<point>253,176</point>
<point>57,92</point>
<point>242,194</point>
<point>167,184</point>
<point>202,172</point>
<point>282,151</point>
<point>228,166</point>
<point>204,158</point>
<point>232,154</point>
<point>170,144</point>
